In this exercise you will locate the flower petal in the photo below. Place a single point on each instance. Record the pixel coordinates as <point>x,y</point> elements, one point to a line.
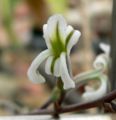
<point>46,36</point>
<point>57,67</point>
<point>68,82</point>
<point>96,94</point>
<point>48,65</point>
<point>52,25</point>
<point>101,62</point>
<point>69,29</point>
<point>73,40</point>
<point>33,72</point>
<point>105,48</point>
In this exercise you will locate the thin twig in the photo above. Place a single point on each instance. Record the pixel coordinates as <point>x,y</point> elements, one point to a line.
<point>46,104</point>
<point>82,106</point>
<point>108,98</point>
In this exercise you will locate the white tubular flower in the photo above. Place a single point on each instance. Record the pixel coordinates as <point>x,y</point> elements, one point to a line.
<point>59,38</point>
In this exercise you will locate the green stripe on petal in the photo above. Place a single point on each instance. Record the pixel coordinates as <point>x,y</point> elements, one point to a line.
<point>52,65</point>
<point>69,37</point>
<point>57,43</point>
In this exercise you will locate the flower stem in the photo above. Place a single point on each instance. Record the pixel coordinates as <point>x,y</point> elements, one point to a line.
<point>58,102</point>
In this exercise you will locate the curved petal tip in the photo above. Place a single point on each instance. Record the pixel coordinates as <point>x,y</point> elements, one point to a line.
<point>35,78</point>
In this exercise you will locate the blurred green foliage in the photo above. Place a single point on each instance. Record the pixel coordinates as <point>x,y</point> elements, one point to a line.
<point>58,5</point>
<point>7,10</point>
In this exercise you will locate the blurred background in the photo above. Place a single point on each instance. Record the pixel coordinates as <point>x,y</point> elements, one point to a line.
<point>21,40</point>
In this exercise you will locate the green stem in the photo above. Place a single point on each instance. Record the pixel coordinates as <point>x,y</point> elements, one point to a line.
<point>58,94</point>
<point>57,90</point>
<point>87,75</point>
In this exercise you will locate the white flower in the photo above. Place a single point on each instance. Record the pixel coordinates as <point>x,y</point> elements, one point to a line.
<point>60,38</point>
<point>101,63</point>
